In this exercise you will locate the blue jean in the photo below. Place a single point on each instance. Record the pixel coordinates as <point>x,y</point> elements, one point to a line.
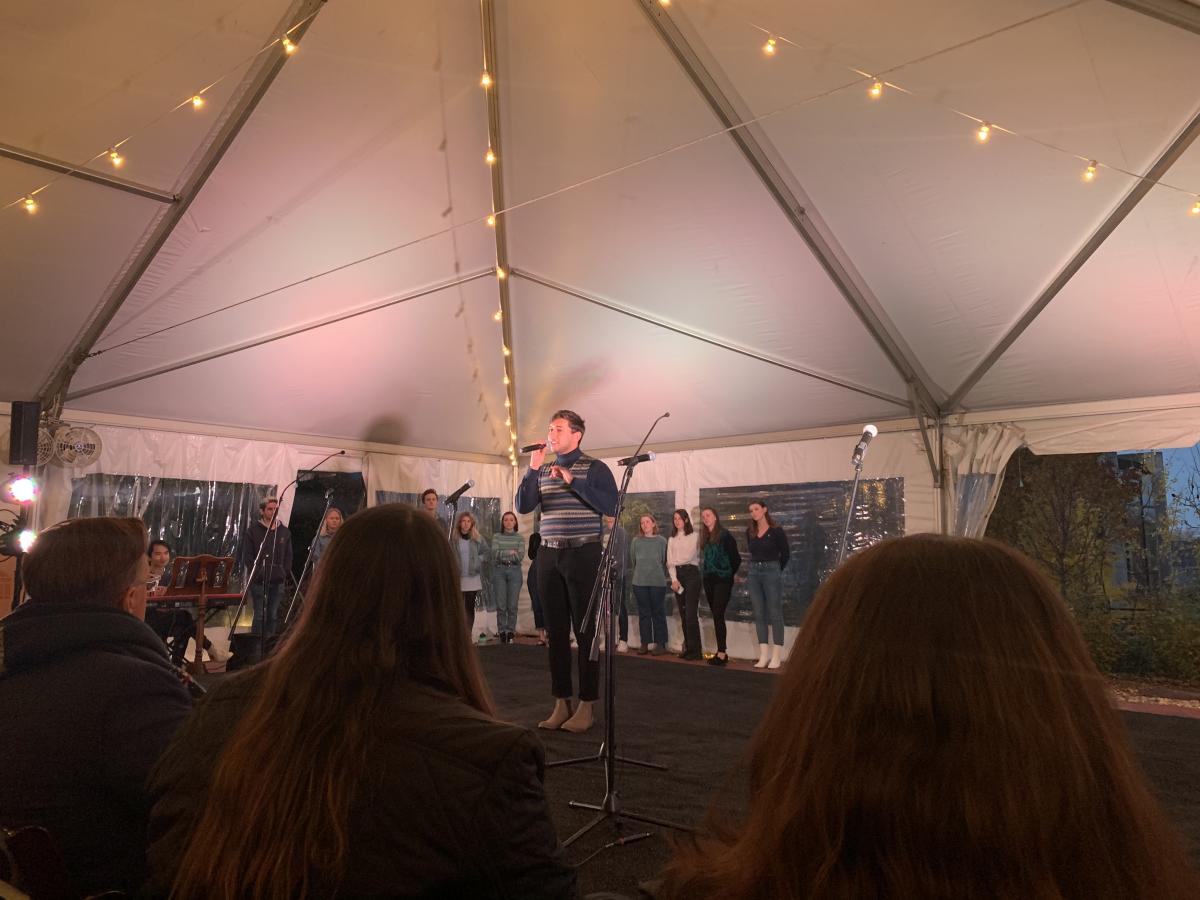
<point>764,581</point>
<point>266,614</point>
<point>652,613</point>
<point>506,588</point>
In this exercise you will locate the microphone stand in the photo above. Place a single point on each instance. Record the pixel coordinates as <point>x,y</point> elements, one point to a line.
<point>601,611</point>
<point>287,619</point>
<point>857,459</point>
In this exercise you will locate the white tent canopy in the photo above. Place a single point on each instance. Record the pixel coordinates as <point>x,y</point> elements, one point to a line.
<point>306,257</point>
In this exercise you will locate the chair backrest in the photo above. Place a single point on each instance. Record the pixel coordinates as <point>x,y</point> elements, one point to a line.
<point>188,572</point>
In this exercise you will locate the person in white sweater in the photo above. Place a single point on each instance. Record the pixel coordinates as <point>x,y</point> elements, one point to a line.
<point>683,566</point>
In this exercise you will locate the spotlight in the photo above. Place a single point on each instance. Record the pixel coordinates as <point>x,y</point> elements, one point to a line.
<point>25,539</point>
<point>22,489</point>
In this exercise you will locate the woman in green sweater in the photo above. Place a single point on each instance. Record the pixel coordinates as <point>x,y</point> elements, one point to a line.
<point>508,550</point>
<point>648,556</point>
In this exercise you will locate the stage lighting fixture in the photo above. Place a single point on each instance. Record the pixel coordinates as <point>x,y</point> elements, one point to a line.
<point>20,489</point>
<point>25,539</point>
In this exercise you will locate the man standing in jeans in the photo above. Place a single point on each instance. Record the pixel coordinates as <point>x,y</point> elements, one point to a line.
<point>574,492</point>
<point>266,588</point>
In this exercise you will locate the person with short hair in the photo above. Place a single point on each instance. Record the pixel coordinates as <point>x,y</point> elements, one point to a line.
<point>575,493</point>
<point>274,565</point>
<point>175,627</point>
<point>429,501</point>
<point>940,731</point>
<point>508,552</point>
<point>88,701</point>
<point>364,759</point>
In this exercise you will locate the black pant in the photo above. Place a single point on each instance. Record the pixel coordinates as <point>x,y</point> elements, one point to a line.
<point>689,606</point>
<point>565,580</point>
<point>469,603</point>
<point>174,627</point>
<point>717,590</point>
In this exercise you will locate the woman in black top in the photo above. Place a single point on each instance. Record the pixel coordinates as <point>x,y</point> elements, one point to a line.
<point>719,562</point>
<point>768,547</point>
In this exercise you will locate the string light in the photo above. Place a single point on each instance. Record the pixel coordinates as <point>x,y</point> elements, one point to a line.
<point>513,435</point>
<point>664,3</point>
<point>491,220</point>
<point>507,403</point>
<point>497,315</point>
<point>500,273</point>
<point>485,80</point>
<point>507,352</point>
<point>508,422</point>
<point>30,205</point>
<point>875,91</point>
<point>1196,208</point>
<point>1090,172</point>
<point>289,46</point>
<point>984,132</point>
<point>507,380</point>
<point>490,157</point>
<point>116,158</point>
<point>769,47</point>
<point>197,101</point>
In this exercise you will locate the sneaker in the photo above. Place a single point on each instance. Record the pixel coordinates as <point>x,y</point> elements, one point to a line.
<point>622,646</point>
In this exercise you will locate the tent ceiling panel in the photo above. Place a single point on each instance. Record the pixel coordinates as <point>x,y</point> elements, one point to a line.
<point>1127,325</point>
<point>937,224</point>
<point>620,374</point>
<point>77,77</point>
<point>56,264</point>
<point>425,373</point>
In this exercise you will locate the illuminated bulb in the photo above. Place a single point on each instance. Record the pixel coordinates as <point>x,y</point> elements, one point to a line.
<point>1196,208</point>
<point>497,315</point>
<point>507,380</point>
<point>289,46</point>
<point>769,47</point>
<point>30,205</point>
<point>23,489</point>
<point>513,435</point>
<point>875,91</point>
<point>197,101</point>
<point>500,273</point>
<point>1090,172</point>
<point>507,352</point>
<point>490,157</point>
<point>491,220</point>
<point>507,403</point>
<point>984,132</point>
<point>116,158</point>
<point>485,80</point>
<point>26,539</point>
<point>664,3</point>
<point>508,423</point>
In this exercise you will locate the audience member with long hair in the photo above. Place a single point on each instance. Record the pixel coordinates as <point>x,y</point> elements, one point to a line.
<point>940,732</point>
<point>719,563</point>
<point>363,759</point>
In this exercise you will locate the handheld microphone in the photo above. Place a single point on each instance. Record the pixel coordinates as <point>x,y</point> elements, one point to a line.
<point>861,447</point>
<point>634,460</point>
<point>530,448</point>
<point>453,498</point>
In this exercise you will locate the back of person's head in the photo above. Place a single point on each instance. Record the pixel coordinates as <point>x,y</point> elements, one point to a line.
<point>85,561</point>
<point>940,731</point>
<point>385,606</point>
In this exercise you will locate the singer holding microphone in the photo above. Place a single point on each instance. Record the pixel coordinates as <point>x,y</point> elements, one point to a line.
<point>574,492</point>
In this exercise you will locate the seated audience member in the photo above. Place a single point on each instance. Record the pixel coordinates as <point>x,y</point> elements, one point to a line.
<point>940,732</point>
<point>88,700</point>
<point>363,759</point>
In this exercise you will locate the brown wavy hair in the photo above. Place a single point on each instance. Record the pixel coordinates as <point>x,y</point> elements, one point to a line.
<point>385,606</point>
<point>940,731</point>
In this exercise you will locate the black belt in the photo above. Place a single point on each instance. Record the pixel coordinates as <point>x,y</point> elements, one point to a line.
<point>508,564</point>
<point>567,543</point>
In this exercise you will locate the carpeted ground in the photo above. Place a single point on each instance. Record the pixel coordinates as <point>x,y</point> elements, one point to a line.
<point>697,719</point>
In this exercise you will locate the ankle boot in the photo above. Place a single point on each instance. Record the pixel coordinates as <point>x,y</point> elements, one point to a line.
<point>776,654</point>
<point>582,720</point>
<point>763,655</point>
<point>561,713</point>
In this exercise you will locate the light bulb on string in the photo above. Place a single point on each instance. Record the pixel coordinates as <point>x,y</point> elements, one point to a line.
<point>491,220</point>
<point>507,380</point>
<point>31,205</point>
<point>497,316</point>
<point>485,80</point>
<point>508,422</point>
<point>116,158</point>
<point>507,403</point>
<point>983,133</point>
<point>289,46</point>
<point>1196,208</point>
<point>507,352</point>
<point>490,157</point>
<point>197,101</point>
<point>513,435</point>
<point>769,47</point>
<point>500,273</point>
<point>875,91</point>
<point>664,3</point>
<point>1090,172</point>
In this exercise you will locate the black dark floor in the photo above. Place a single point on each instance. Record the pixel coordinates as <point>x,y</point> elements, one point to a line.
<point>697,720</point>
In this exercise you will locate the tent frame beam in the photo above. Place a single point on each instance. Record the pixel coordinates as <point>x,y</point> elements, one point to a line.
<point>271,338</point>
<point>711,341</point>
<point>252,89</point>
<point>1179,13</point>
<point>1124,207</point>
<point>29,158</point>
<point>761,156</point>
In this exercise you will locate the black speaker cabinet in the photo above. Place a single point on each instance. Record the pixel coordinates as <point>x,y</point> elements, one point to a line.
<point>23,432</point>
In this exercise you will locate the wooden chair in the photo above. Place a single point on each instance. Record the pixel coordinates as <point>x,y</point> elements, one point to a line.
<point>198,577</point>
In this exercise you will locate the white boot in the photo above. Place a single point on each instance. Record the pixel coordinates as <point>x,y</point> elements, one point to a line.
<point>763,650</point>
<point>776,653</point>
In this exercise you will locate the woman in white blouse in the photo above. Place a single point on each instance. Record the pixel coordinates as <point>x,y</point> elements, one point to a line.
<point>683,565</point>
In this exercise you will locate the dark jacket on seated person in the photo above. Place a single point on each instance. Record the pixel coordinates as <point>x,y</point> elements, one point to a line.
<point>88,703</point>
<point>451,805</point>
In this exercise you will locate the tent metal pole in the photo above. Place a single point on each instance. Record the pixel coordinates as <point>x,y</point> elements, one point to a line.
<point>65,168</point>
<point>1179,13</point>
<point>711,341</point>
<point>1128,203</point>
<point>252,89</point>
<point>768,165</point>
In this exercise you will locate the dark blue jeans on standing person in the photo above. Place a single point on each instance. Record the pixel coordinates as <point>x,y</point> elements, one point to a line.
<point>266,615</point>
<point>652,613</point>
<point>764,581</point>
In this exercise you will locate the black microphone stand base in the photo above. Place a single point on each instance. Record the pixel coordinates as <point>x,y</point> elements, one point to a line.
<point>610,811</point>
<point>598,756</point>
